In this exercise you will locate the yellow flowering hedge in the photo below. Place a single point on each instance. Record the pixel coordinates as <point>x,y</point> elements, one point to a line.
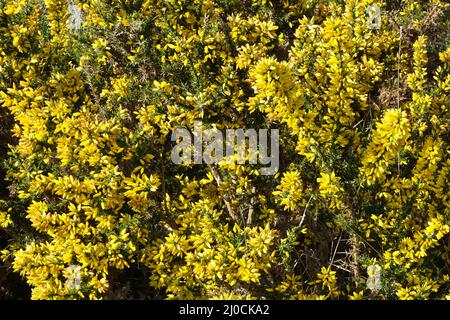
<point>91,206</point>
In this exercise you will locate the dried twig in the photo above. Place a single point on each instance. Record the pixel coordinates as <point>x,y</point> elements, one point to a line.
<point>225,197</point>
<point>251,209</point>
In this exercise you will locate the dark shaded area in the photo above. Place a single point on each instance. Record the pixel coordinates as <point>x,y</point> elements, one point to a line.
<point>5,138</point>
<point>6,123</point>
<point>132,284</point>
<point>12,285</point>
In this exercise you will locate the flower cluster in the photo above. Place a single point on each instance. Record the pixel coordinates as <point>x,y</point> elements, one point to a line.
<point>95,209</point>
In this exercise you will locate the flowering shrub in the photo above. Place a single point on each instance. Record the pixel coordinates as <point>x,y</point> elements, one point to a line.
<point>95,209</point>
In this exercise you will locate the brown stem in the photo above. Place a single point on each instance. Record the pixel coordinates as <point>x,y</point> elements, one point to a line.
<point>226,199</point>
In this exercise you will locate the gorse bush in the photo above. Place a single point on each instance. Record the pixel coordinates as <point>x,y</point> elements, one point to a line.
<point>93,207</point>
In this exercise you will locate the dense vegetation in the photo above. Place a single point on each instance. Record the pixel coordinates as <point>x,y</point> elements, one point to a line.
<point>91,205</point>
